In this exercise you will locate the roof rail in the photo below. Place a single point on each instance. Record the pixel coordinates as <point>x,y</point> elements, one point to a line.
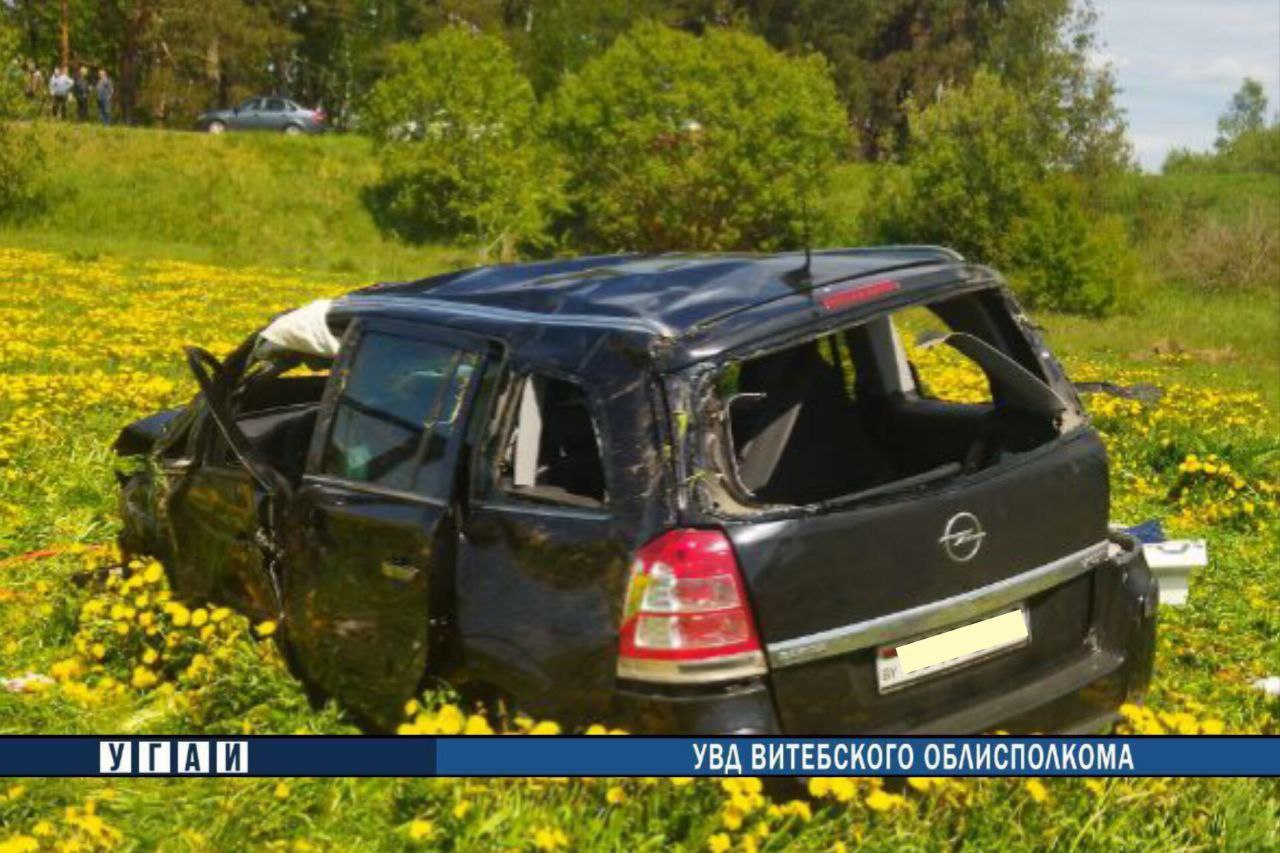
<point>922,250</point>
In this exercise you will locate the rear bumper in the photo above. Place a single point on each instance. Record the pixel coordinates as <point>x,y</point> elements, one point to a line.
<point>1081,695</point>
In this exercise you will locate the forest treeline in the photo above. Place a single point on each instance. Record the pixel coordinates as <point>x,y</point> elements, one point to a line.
<point>172,59</point>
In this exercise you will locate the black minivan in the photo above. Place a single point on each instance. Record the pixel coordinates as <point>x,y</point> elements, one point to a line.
<point>677,493</point>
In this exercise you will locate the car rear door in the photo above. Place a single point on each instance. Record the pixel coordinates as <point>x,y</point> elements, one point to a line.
<point>543,556</point>
<point>275,114</point>
<point>370,529</point>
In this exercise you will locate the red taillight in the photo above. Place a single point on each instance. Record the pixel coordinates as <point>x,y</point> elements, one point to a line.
<point>318,115</point>
<point>686,616</point>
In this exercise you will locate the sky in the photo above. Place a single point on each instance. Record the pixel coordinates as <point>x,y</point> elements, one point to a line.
<point>1180,61</point>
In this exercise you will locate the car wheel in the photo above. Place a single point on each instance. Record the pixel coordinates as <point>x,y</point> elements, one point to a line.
<point>217,127</point>
<point>292,130</point>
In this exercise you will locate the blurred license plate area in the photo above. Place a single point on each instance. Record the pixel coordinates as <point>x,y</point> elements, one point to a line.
<point>898,666</point>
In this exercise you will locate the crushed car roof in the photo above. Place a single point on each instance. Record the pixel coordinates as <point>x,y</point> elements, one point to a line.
<point>667,295</point>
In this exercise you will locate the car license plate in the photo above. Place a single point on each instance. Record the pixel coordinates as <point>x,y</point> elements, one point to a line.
<point>898,666</point>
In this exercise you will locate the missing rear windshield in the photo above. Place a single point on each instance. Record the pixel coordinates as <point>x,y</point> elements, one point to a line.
<point>895,402</point>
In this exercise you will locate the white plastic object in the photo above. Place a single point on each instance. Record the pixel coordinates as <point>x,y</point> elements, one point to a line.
<point>304,330</point>
<point>28,683</point>
<point>1269,685</point>
<point>1173,562</point>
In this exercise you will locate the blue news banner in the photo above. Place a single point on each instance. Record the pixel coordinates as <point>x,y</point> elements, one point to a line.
<point>638,756</point>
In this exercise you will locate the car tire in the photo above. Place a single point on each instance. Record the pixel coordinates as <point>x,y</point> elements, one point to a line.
<point>216,127</point>
<point>292,129</point>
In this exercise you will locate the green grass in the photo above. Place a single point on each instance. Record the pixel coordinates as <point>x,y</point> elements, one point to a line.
<point>238,199</point>
<point>1228,339</point>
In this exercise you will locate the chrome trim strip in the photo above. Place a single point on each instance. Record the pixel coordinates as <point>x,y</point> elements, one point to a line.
<point>745,665</point>
<point>935,614</point>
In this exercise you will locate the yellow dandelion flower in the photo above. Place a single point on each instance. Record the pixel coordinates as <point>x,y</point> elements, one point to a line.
<point>477,725</point>
<point>142,678</point>
<point>549,838</point>
<point>153,573</point>
<point>420,829</point>
<point>882,801</point>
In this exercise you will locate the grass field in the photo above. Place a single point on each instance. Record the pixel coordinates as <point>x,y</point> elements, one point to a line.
<point>266,200</point>
<point>91,319</point>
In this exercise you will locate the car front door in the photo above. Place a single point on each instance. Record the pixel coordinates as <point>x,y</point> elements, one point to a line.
<point>247,115</point>
<point>214,509</point>
<point>370,531</point>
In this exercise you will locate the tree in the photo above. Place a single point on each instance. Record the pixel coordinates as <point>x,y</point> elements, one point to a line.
<point>972,157</point>
<point>456,126</point>
<point>21,159</point>
<point>1247,113</point>
<point>1245,142</point>
<point>680,142</point>
<point>887,55</point>
<point>980,177</point>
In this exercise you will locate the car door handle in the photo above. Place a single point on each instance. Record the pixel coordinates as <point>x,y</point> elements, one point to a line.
<point>400,570</point>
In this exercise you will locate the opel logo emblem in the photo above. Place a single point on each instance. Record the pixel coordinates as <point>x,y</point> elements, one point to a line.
<point>962,537</point>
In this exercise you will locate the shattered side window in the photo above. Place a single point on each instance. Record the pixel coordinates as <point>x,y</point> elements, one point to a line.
<point>551,452</point>
<point>921,395</point>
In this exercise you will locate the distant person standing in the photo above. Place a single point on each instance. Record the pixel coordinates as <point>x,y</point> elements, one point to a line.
<point>80,89</point>
<point>104,91</point>
<point>60,85</point>
<point>36,88</point>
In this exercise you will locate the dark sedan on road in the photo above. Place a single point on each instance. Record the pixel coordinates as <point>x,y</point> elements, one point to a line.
<point>277,114</point>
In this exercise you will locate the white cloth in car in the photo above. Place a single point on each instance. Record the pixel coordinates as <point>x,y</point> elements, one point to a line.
<point>304,330</point>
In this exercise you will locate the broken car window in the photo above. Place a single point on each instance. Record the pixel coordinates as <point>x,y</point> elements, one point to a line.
<point>939,373</point>
<point>552,453</point>
<point>386,408</point>
<point>866,410</point>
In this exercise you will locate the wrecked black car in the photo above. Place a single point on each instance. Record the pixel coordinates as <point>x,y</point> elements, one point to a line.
<point>683,493</point>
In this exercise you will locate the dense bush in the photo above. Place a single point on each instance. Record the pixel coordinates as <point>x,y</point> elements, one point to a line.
<point>1063,258</point>
<point>456,126</point>
<point>1218,254</point>
<point>679,142</point>
<point>980,177</point>
<point>972,159</point>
